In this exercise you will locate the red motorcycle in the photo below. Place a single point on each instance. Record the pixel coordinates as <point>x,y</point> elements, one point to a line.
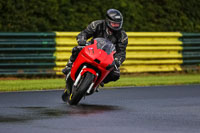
<point>93,64</point>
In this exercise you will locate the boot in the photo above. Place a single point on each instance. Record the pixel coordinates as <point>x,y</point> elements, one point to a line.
<point>68,89</point>
<point>65,95</point>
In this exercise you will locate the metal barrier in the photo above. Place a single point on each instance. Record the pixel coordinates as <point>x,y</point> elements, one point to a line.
<point>65,41</point>
<point>191,51</point>
<point>47,53</point>
<point>153,52</point>
<point>27,53</point>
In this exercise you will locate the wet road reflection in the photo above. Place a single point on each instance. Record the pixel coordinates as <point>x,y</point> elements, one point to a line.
<point>30,113</point>
<point>165,109</point>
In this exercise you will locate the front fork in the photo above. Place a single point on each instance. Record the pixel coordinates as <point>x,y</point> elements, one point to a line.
<point>91,86</point>
<point>79,77</point>
<point>82,72</point>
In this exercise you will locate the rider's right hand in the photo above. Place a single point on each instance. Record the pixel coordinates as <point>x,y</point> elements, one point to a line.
<point>81,43</point>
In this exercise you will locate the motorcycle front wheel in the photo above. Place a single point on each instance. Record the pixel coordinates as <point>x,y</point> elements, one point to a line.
<point>80,91</point>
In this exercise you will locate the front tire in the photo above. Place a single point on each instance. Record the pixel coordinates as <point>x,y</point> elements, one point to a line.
<point>81,89</point>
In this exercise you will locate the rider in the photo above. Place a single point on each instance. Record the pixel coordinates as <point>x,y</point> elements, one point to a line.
<point>110,28</point>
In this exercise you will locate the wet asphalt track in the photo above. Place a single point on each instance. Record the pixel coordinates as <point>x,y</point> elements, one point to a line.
<point>162,109</point>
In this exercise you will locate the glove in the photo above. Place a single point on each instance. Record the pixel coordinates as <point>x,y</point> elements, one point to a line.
<point>117,62</point>
<point>81,43</point>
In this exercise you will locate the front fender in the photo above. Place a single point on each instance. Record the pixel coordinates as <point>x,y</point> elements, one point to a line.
<point>89,70</point>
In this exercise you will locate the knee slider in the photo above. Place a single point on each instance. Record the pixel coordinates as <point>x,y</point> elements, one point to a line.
<point>116,76</point>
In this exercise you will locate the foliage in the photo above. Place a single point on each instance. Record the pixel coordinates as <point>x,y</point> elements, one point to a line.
<point>75,15</point>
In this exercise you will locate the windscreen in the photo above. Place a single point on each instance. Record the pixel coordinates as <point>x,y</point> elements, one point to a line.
<point>105,45</point>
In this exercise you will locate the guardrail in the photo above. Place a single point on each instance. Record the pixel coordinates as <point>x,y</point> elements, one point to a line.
<point>191,51</point>
<point>153,52</point>
<point>27,53</point>
<point>48,53</point>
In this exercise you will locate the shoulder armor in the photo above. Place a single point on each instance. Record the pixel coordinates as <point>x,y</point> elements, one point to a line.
<point>94,24</point>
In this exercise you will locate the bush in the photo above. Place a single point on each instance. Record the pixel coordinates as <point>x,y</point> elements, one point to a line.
<point>75,15</point>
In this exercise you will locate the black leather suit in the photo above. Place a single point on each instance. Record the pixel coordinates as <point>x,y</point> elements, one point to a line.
<point>119,38</point>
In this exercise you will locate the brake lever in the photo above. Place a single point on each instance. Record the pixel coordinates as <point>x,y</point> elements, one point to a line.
<point>87,43</point>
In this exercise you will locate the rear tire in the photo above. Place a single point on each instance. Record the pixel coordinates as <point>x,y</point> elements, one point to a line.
<point>82,87</point>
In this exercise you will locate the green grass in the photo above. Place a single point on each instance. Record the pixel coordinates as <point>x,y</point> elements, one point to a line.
<point>31,84</point>
<point>59,83</point>
<point>157,80</point>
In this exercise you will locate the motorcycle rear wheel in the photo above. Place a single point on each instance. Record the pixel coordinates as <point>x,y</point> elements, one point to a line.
<point>81,89</point>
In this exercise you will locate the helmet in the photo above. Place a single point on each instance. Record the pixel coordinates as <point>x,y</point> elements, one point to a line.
<point>114,19</point>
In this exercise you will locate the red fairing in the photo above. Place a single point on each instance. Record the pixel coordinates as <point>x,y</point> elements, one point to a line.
<point>96,57</point>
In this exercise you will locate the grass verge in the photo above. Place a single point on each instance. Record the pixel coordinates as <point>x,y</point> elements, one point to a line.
<point>59,83</point>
